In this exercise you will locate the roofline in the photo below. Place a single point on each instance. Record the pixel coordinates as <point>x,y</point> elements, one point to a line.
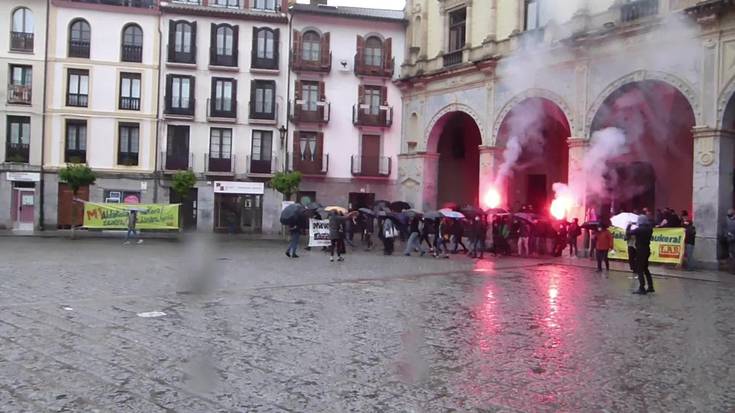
<point>317,12</point>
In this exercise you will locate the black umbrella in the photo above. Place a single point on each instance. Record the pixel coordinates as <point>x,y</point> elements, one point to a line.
<point>292,214</point>
<point>495,211</point>
<point>314,206</point>
<point>380,204</point>
<point>433,215</point>
<point>367,211</point>
<point>471,211</point>
<point>399,206</point>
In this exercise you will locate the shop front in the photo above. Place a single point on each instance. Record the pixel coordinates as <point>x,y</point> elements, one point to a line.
<point>238,206</point>
<point>23,199</point>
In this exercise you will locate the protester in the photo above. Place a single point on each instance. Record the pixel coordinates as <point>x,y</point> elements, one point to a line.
<point>561,240</point>
<point>368,228</point>
<point>480,238</point>
<point>295,231</point>
<point>603,245</point>
<point>730,237</point>
<point>442,239</point>
<point>573,232</point>
<point>690,234</point>
<point>524,233</point>
<point>389,233</point>
<point>457,235</point>
<point>643,234</point>
<point>428,231</point>
<point>414,237</point>
<point>337,222</point>
<point>132,223</point>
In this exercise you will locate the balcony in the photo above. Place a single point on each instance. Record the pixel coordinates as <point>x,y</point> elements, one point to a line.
<point>262,167</point>
<point>20,94</point>
<point>176,162</point>
<point>142,4</point>
<point>188,58</point>
<point>301,115</point>
<point>187,111</point>
<point>374,166</point>
<point>223,60</point>
<point>384,70</point>
<point>21,42</point>
<point>128,103</point>
<point>79,48</point>
<point>452,58</point>
<point>77,100</point>
<point>317,166</point>
<point>637,10</point>
<point>226,115</point>
<point>75,156</point>
<point>17,152</point>
<point>362,115</point>
<point>127,158</point>
<point>298,64</point>
<point>263,117</point>
<point>132,53</point>
<point>219,166</point>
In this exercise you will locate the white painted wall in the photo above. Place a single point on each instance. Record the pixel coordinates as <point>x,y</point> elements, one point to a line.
<point>341,137</point>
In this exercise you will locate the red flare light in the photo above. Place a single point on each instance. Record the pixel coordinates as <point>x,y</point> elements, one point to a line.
<point>492,198</point>
<point>560,206</point>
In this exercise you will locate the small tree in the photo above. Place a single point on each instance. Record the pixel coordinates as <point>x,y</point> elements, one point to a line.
<point>183,182</point>
<point>286,183</point>
<point>76,176</point>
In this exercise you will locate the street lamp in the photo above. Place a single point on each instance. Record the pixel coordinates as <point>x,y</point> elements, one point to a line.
<point>283,130</point>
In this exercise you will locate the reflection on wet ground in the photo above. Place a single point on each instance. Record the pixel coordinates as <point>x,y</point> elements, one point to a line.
<point>248,330</point>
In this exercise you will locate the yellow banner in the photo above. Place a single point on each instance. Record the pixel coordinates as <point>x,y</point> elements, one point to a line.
<point>667,245</point>
<point>115,216</point>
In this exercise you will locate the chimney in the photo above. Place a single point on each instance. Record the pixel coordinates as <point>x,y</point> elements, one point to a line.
<point>318,2</point>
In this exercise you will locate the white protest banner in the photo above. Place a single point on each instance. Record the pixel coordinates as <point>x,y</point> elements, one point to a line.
<point>319,233</point>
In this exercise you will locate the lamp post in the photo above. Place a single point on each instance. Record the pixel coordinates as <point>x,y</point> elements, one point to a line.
<point>283,130</point>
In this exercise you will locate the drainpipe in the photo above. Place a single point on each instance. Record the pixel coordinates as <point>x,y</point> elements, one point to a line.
<point>41,186</point>
<point>156,176</point>
<point>288,93</point>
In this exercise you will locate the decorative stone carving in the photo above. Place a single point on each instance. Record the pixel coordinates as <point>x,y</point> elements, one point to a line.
<point>638,76</point>
<point>532,93</point>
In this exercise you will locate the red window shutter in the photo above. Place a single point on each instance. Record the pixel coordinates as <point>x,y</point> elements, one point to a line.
<point>322,92</point>
<point>319,145</point>
<point>361,94</point>
<point>384,95</point>
<point>296,48</point>
<point>360,58</point>
<point>246,4</point>
<point>297,90</point>
<point>326,56</point>
<point>388,55</point>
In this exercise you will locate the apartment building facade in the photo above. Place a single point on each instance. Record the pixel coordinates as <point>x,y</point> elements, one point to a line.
<point>101,103</point>
<point>22,58</point>
<point>511,95</point>
<point>224,71</point>
<point>345,108</point>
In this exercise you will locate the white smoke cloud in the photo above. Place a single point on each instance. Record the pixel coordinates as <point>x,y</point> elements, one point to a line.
<point>606,144</point>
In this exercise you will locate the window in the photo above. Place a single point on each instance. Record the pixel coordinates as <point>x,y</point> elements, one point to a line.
<point>226,3</point>
<point>310,96</point>
<point>224,97</point>
<point>311,45</point>
<point>79,38</point>
<point>265,48</point>
<point>374,52</point>
<point>21,32</point>
<point>77,88</point>
<point>265,5</point>
<point>179,94</point>
<point>223,51</point>
<point>262,145</point>
<point>76,141</point>
<point>19,139</point>
<point>129,141</point>
<point>538,14</point>
<point>130,91</point>
<point>307,146</point>
<point>177,148</point>
<point>220,143</point>
<point>182,42</point>
<point>457,20</point>
<point>19,87</point>
<point>132,44</point>
<point>373,99</point>
<point>262,101</point>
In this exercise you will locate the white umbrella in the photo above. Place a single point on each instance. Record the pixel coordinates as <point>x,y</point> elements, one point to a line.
<point>623,219</point>
<point>451,214</point>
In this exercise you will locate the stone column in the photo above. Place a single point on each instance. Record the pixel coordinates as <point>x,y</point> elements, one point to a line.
<point>714,153</point>
<point>487,172</point>
<point>417,179</point>
<point>575,175</point>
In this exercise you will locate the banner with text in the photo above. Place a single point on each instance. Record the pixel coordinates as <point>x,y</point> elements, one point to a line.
<point>115,216</point>
<point>667,245</point>
<point>319,233</point>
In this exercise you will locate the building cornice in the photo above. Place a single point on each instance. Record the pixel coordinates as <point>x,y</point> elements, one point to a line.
<point>223,12</point>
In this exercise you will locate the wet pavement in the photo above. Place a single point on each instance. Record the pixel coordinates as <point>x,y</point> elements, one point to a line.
<point>246,329</point>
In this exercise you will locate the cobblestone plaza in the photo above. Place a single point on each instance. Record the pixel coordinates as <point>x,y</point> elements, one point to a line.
<point>245,329</point>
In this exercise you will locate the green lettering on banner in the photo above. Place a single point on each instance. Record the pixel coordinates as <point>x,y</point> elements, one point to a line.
<point>115,216</point>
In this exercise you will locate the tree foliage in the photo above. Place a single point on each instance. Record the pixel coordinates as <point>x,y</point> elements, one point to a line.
<point>183,182</point>
<point>77,176</point>
<point>286,182</point>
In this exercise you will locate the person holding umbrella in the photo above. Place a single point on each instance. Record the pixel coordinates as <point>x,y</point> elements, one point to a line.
<point>643,234</point>
<point>389,233</point>
<point>337,221</point>
<point>414,238</point>
<point>294,230</point>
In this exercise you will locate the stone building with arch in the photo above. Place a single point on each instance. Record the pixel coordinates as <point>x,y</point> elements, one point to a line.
<point>520,94</point>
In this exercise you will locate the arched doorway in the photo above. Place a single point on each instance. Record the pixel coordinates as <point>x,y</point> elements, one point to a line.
<point>654,168</point>
<point>458,168</point>
<point>533,154</point>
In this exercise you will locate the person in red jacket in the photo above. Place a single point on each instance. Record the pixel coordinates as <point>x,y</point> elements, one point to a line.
<point>603,245</point>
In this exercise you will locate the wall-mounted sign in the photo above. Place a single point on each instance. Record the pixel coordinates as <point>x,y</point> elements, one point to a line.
<point>234,187</point>
<point>24,176</point>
